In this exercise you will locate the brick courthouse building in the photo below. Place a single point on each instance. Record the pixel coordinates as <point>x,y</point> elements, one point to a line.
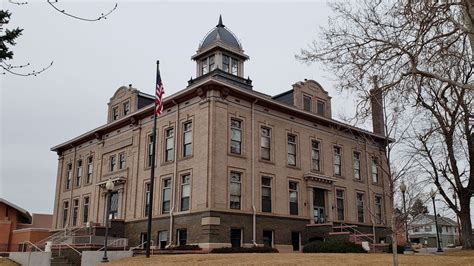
<point>234,166</point>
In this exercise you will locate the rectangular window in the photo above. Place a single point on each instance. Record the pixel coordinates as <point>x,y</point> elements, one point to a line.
<point>65,212</point>
<point>205,67</point>
<point>113,163</point>
<point>337,160</point>
<point>428,228</point>
<point>307,103</point>
<point>90,169</point>
<point>293,190</point>
<point>212,64</point>
<point>182,237</point>
<point>75,212</point>
<point>266,194</point>
<point>165,208</point>
<point>356,157</point>
<point>235,136</point>
<point>234,66</point>
<point>126,108</point>
<point>340,204</point>
<point>185,192</point>
<point>267,238</point>
<point>291,150</point>
<point>235,237</point>
<point>225,63</point>
<point>162,239</point>
<point>114,201</point>
<point>122,160</point>
<point>265,135</point>
<point>375,170</point>
<point>378,209</point>
<point>360,207</point>
<point>187,139</point>
<point>169,145</point>
<point>320,106</point>
<point>235,191</point>
<point>68,176</point>
<point>143,240</point>
<point>115,113</point>
<point>79,173</point>
<point>315,156</point>
<point>85,210</point>
<point>147,198</point>
<point>150,150</point>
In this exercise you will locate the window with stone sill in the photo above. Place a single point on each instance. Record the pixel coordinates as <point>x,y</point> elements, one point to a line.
<point>90,169</point>
<point>291,150</point>
<point>122,160</point>
<point>185,192</point>
<point>112,163</point>
<point>265,143</point>
<point>235,136</point>
<point>235,190</point>
<point>315,156</point>
<point>68,176</point>
<point>337,153</point>
<point>78,173</point>
<point>187,139</point>
<point>293,191</point>
<point>169,145</point>
<point>85,210</point>
<point>356,157</point>
<point>126,108</point>
<point>166,196</point>
<point>320,107</point>
<point>306,103</point>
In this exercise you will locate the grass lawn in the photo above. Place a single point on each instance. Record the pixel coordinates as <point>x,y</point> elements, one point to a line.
<point>449,258</point>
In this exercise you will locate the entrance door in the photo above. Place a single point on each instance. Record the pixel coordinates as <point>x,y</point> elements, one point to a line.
<point>235,237</point>
<point>295,240</point>
<point>319,206</point>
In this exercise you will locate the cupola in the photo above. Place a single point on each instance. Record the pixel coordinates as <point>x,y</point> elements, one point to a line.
<point>220,49</point>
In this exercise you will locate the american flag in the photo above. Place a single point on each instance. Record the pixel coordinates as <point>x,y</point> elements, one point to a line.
<point>159,93</point>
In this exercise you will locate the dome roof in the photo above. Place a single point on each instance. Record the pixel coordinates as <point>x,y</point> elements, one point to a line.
<point>220,33</point>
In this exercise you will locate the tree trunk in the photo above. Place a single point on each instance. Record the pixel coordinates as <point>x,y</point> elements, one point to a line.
<point>466,225</point>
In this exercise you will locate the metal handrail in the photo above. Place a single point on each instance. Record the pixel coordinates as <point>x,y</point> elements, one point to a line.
<point>359,233</point>
<point>61,234</point>
<point>28,242</point>
<point>141,245</point>
<point>71,247</point>
<point>109,244</point>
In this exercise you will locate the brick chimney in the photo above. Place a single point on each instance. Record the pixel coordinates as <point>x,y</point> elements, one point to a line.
<point>376,102</point>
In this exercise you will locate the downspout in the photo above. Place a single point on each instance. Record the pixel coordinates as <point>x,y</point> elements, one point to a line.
<point>175,172</point>
<point>254,221</point>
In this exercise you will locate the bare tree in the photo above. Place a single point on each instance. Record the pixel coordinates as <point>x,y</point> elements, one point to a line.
<point>422,51</point>
<point>7,37</point>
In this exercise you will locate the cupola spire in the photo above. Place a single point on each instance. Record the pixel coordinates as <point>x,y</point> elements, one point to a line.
<point>220,24</point>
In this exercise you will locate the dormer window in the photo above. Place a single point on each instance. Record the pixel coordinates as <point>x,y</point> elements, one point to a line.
<point>126,108</point>
<point>234,66</point>
<point>307,103</point>
<point>208,64</point>
<point>225,63</point>
<point>320,107</point>
<point>115,113</point>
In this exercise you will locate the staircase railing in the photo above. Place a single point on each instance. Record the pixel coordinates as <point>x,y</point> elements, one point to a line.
<point>139,246</point>
<point>71,247</point>
<point>28,243</point>
<point>115,241</point>
<point>358,233</point>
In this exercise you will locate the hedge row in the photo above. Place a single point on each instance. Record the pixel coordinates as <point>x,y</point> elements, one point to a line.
<point>184,247</point>
<point>333,247</point>
<point>245,250</point>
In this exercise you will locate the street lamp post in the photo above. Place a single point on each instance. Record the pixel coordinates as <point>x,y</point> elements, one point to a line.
<point>109,186</point>
<point>433,194</point>
<point>403,189</point>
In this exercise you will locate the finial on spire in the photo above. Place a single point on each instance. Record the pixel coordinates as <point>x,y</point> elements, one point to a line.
<point>220,24</point>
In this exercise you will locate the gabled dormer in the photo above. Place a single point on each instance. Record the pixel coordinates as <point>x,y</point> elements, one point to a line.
<point>308,95</point>
<point>125,101</point>
<point>220,49</point>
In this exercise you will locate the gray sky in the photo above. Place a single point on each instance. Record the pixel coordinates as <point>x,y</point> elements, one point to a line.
<point>93,59</point>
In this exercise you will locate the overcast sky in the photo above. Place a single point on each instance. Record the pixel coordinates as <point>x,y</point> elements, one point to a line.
<point>93,59</point>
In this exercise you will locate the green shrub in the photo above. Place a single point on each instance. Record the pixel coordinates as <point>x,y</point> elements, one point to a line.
<point>245,250</point>
<point>184,247</point>
<point>333,247</point>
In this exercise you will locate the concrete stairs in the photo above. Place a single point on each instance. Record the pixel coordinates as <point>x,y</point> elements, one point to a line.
<point>61,261</point>
<point>357,237</point>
